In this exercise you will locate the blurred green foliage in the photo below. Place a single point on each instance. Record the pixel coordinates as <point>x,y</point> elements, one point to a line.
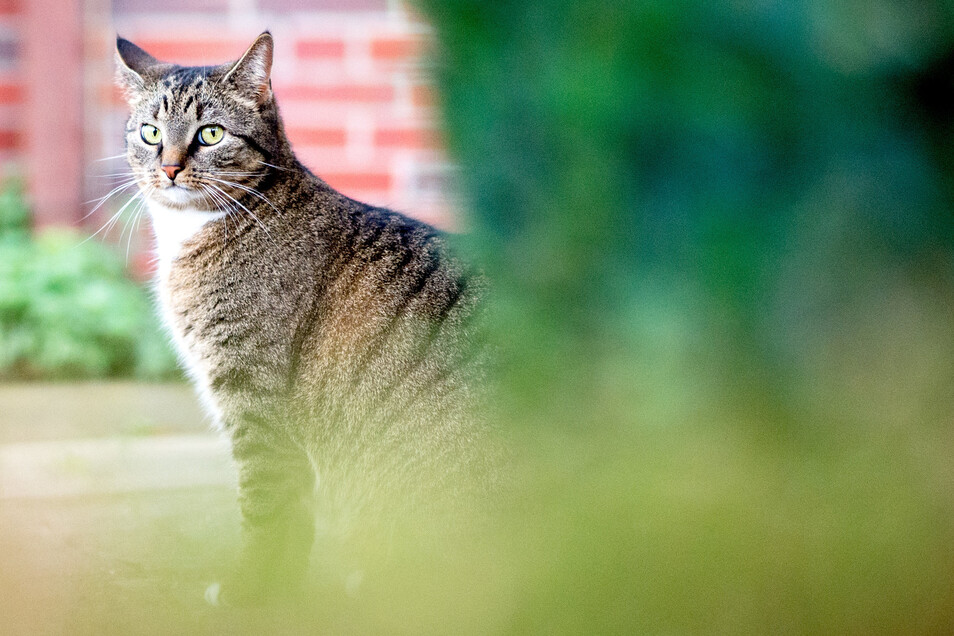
<point>720,239</point>
<point>749,178</point>
<point>68,309</point>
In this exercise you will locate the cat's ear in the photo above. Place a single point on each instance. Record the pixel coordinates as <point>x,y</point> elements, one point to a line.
<point>133,66</point>
<point>251,75</point>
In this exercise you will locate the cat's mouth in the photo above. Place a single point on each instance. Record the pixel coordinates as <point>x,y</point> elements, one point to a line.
<point>176,193</point>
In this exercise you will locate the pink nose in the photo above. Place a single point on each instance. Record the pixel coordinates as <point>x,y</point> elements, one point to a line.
<point>172,171</point>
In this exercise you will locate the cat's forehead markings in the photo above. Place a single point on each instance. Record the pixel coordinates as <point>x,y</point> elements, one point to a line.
<point>162,107</point>
<point>178,93</point>
<point>191,98</point>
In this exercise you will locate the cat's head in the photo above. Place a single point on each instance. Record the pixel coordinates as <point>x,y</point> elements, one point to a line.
<point>195,132</point>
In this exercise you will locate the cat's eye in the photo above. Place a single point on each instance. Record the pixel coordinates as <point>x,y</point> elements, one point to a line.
<point>211,135</point>
<point>150,134</point>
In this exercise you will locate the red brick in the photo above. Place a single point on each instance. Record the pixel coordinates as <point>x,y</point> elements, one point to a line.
<point>320,48</point>
<point>395,49</point>
<point>365,93</point>
<point>11,93</point>
<point>418,138</point>
<point>358,180</point>
<point>9,140</point>
<point>317,136</point>
<point>194,51</point>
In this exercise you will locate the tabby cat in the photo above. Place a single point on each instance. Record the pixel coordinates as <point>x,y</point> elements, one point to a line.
<point>332,341</point>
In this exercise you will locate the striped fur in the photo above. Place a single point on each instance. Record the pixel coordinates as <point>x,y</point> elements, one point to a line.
<point>333,340</point>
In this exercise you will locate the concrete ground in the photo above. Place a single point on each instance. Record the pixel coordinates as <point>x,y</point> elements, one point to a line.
<point>117,509</point>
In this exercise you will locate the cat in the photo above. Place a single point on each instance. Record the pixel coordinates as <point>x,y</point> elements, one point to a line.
<point>333,342</point>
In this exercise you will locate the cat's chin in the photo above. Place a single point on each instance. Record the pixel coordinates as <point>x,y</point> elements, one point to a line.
<point>177,197</point>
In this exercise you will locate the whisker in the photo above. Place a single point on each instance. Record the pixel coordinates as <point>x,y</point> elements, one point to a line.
<point>252,214</point>
<point>102,200</point>
<point>259,173</point>
<point>212,197</point>
<point>225,205</point>
<point>137,215</point>
<point>140,196</point>
<point>111,158</point>
<point>251,191</point>
<point>215,199</point>
<point>128,225</point>
<point>113,175</point>
<point>124,184</point>
<point>274,166</point>
<point>113,219</point>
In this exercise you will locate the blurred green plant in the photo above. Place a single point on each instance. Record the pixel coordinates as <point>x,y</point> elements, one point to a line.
<point>748,178</point>
<point>720,239</point>
<point>68,309</point>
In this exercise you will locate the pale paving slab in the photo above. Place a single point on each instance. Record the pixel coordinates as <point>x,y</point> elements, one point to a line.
<point>59,411</point>
<point>117,508</point>
<point>74,468</point>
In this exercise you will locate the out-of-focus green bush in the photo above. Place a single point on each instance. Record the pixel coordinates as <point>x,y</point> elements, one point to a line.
<point>68,308</point>
<point>721,244</point>
<point>677,198</point>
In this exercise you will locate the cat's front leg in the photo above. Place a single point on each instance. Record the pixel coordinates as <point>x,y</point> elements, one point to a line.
<point>276,497</point>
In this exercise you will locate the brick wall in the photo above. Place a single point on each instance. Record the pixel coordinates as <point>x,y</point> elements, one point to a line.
<point>12,94</point>
<point>350,77</point>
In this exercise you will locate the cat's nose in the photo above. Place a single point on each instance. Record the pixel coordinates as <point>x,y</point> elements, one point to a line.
<point>172,170</point>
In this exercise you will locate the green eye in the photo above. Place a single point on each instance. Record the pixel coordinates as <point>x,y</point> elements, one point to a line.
<point>211,135</point>
<point>150,134</point>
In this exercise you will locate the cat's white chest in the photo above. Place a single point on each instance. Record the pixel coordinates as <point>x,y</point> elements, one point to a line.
<point>173,228</point>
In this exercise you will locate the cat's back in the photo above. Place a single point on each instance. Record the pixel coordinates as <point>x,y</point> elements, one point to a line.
<point>388,368</point>
<point>392,325</point>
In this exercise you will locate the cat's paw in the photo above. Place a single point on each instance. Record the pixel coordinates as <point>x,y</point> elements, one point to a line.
<point>213,595</point>
<point>231,594</point>
<point>250,592</point>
